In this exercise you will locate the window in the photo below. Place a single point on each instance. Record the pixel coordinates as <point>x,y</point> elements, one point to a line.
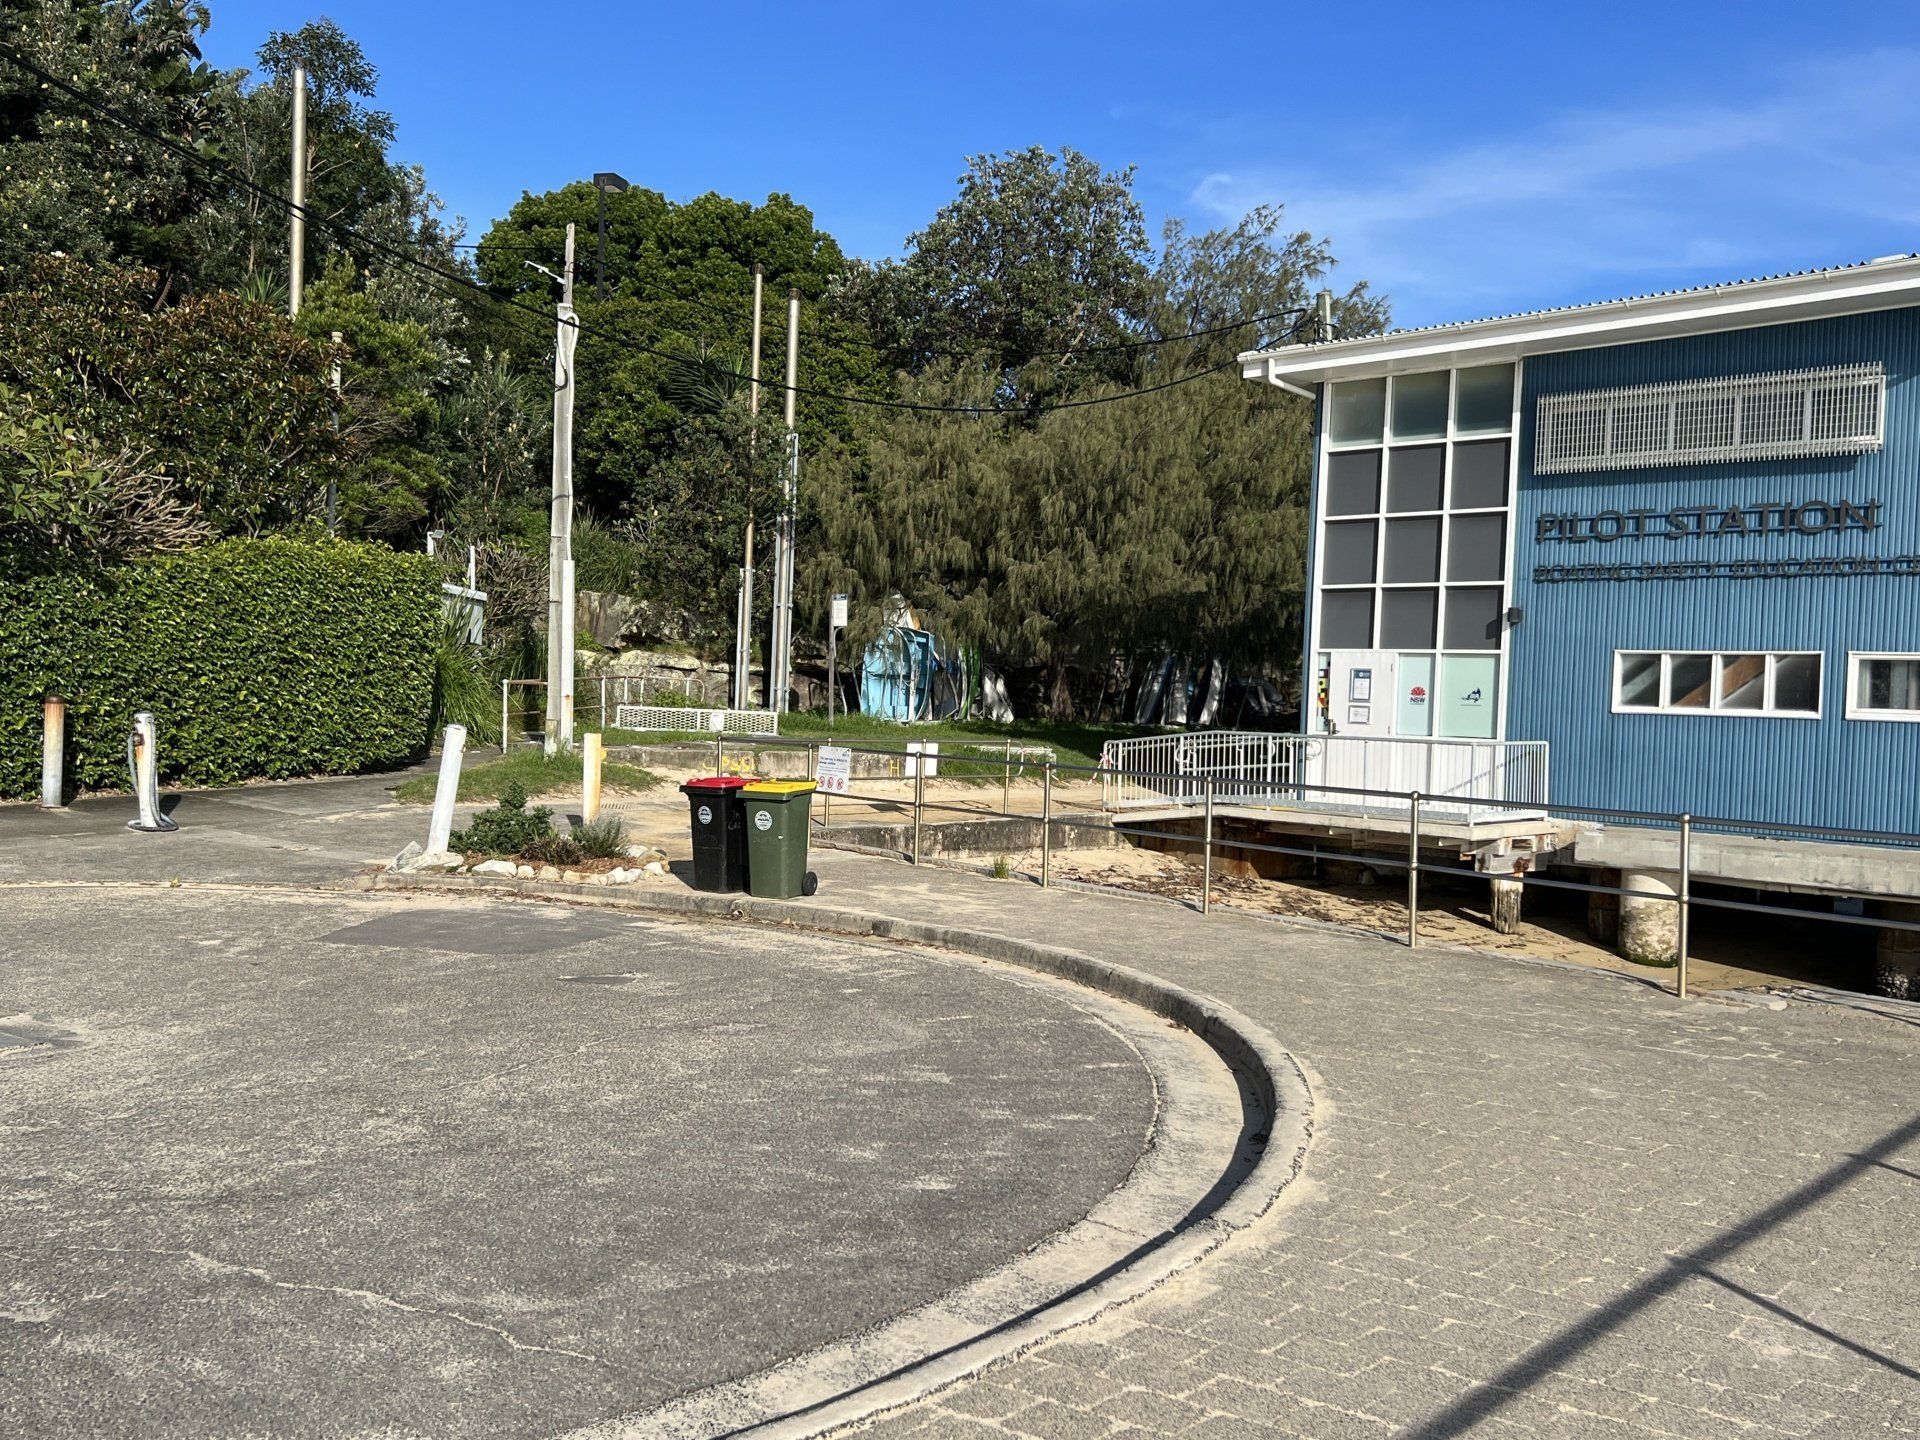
<point>1883,687</point>
<point>1738,683</point>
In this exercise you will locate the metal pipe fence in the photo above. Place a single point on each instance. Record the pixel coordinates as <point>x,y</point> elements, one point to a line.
<point>1416,805</point>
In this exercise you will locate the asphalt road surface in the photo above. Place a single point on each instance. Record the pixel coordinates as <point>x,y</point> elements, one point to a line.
<point>303,1164</point>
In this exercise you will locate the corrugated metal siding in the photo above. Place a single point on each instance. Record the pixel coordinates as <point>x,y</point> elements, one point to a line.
<point>1831,771</point>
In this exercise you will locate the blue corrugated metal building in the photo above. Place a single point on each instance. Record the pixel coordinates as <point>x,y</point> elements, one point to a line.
<point>1674,540</point>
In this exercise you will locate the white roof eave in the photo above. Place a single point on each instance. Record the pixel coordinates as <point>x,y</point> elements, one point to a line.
<point>1885,284</point>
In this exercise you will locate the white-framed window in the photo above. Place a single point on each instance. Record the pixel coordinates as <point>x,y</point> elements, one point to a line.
<point>1883,685</point>
<point>1724,682</point>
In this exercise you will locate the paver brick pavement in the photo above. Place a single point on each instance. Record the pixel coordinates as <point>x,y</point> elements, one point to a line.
<point>1540,1202</point>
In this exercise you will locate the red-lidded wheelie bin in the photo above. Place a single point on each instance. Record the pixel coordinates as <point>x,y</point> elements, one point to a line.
<point>719,829</point>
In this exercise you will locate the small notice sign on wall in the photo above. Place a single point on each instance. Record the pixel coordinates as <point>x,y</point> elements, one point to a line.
<point>834,769</point>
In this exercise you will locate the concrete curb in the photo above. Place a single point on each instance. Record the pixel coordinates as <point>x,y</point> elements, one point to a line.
<point>1280,1085</point>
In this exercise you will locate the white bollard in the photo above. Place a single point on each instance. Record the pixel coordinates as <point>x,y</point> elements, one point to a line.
<point>144,764</point>
<point>593,755</point>
<point>53,753</point>
<point>447,790</point>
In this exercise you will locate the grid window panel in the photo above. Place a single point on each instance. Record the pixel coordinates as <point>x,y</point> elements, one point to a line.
<point>1479,475</point>
<point>1743,683</point>
<point>1690,682</point>
<point>1358,412</point>
<point>1639,682</point>
<point>1408,619</point>
<point>1346,619</point>
<point>1412,552</point>
<point>1483,400</point>
<point>1477,547</point>
<point>1420,406</point>
<point>1353,482</point>
<point>1838,410</point>
<point>1414,477</point>
<point>1796,683</point>
<point>1349,554</point>
<point>1473,618</point>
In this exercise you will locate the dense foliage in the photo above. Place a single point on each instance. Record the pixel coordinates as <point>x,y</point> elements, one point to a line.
<point>257,658</point>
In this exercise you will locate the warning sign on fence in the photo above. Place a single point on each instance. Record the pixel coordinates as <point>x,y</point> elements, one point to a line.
<point>835,769</point>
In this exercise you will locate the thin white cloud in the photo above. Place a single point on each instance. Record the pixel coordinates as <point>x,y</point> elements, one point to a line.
<point>1802,169</point>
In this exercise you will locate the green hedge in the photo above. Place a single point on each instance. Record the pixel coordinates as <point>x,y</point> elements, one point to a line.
<point>257,658</point>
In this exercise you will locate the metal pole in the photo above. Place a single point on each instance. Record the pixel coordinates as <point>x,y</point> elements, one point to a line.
<point>743,636</point>
<point>1686,900</point>
<point>780,663</point>
<point>719,756</point>
<point>603,702</point>
<point>53,753</point>
<point>503,717</point>
<point>1206,864</point>
<point>833,664</point>
<point>333,485</point>
<point>1046,825</point>
<point>1006,778</point>
<point>919,798</point>
<point>297,224</point>
<point>1413,874</point>
<point>560,524</point>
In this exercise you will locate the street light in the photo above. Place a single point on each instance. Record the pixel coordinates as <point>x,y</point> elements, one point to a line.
<point>603,181</point>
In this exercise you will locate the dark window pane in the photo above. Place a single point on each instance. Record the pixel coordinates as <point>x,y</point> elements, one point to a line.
<point>1407,619</point>
<point>1640,680</point>
<point>1477,548</point>
<point>1479,475</point>
<point>1420,406</point>
<point>1796,682</point>
<point>1353,482</point>
<point>1349,553</point>
<point>1413,551</point>
<point>1473,619</point>
<point>1690,682</point>
<point>1413,477</point>
<point>1346,619</point>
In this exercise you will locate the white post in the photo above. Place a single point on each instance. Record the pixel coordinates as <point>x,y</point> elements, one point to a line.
<point>53,754</point>
<point>780,663</point>
<point>143,760</point>
<point>592,755</point>
<point>297,226</point>
<point>447,790</point>
<point>743,632</point>
<point>559,724</point>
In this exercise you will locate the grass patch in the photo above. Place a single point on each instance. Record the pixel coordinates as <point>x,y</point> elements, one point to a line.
<point>1073,743</point>
<point>533,771</point>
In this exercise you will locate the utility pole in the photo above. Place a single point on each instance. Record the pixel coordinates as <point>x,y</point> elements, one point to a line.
<point>743,629</point>
<point>559,725</point>
<point>333,487</point>
<point>780,663</point>
<point>297,227</point>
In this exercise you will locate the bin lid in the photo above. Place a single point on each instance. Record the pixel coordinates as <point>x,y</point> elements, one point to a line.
<point>779,789</point>
<point>715,782</point>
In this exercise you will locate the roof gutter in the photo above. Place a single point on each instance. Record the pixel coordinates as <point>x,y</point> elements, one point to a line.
<point>1273,378</point>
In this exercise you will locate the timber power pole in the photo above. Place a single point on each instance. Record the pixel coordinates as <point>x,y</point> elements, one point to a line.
<point>559,726</point>
<point>780,662</point>
<point>743,627</point>
<point>297,225</point>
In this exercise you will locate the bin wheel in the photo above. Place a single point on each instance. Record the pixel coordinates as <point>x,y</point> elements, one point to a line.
<point>810,883</point>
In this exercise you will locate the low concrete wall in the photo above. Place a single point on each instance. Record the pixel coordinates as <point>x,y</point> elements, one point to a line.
<point>987,837</point>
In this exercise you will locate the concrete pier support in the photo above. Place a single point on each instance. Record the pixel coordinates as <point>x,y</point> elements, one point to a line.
<point>1603,909</point>
<point>1650,918</point>
<point>1505,904</point>
<point>1896,969</point>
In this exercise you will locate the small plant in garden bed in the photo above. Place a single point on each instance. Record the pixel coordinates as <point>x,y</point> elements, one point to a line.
<point>602,839</point>
<point>508,828</point>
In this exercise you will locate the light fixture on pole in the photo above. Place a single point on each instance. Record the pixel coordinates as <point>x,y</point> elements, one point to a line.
<point>603,181</point>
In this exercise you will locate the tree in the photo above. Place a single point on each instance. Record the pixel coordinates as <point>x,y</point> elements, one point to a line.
<point>222,395</point>
<point>82,186</point>
<point>1172,521</point>
<point>1039,255</point>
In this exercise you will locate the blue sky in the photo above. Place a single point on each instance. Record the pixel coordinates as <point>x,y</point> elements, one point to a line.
<point>1467,160</point>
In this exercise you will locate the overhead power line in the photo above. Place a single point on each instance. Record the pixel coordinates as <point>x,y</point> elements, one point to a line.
<point>404,257</point>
